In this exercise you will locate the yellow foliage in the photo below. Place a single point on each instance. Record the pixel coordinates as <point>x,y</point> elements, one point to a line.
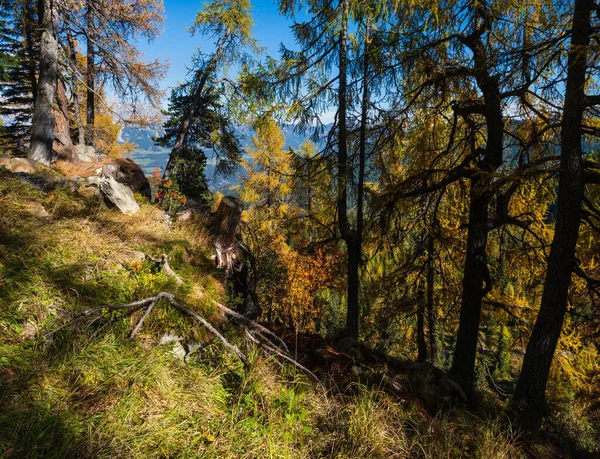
<point>107,135</point>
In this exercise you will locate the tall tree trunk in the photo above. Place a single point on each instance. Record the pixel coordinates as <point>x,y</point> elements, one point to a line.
<point>343,177</point>
<point>529,397</point>
<point>42,129</point>
<point>489,159</point>
<point>74,95</point>
<point>29,26</point>
<point>465,351</point>
<point>421,343</point>
<point>431,316</point>
<point>90,75</point>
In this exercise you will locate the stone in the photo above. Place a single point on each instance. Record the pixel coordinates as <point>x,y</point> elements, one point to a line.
<point>128,172</point>
<point>191,213</point>
<point>85,153</point>
<point>35,209</point>
<point>87,191</point>
<point>116,194</point>
<point>19,165</point>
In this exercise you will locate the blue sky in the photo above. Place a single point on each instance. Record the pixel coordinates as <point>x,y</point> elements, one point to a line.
<point>177,45</point>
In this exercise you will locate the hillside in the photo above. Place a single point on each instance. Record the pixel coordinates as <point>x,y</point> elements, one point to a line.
<point>86,390</point>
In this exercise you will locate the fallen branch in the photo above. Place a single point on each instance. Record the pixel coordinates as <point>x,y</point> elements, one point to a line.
<point>152,301</point>
<point>163,263</point>
<point>252,323</point>
<point>257,333</point>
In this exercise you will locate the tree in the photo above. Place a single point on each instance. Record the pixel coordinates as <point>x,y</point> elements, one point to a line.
<point>208,128</point>
<point>326,73</point>
<point>230,23</point>
<point>19,47</point>
<point>529,396</point>
<point>42,125</point>
<point>109,30</point>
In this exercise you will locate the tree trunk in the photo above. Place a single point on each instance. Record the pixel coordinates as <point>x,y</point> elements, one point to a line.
<point>74,94</point>
<point>465,351</point>
<point>529,397</point>
<point>489,159</point>
<point>90,76</point>
<point>343,175</point>
<point>431,316</point>
<point>232,256</point>
<point>42,129</point>
<point>30,39</point>
<point>421,343</point>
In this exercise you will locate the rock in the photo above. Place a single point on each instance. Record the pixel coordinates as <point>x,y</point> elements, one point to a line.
<point>87,191</point>
<point>169,338</point>
<point>181,349</point>
<point>191,213</point>
<point>116,193</point>
<point>128,172</point>
<point>85,153</point>
<point>19,165</point>
<point>35,209</point>
<point>30,329</point>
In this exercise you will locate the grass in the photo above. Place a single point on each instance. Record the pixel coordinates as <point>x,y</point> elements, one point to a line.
<point>88,391</point>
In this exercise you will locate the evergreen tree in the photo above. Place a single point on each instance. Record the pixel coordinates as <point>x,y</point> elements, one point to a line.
<point>209,129</point>
<point>19,51</point>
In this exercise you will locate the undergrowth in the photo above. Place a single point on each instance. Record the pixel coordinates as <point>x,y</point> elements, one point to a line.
<point>88,391</point>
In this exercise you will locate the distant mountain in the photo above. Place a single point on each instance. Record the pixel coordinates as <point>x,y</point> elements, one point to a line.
<point>150,156</point>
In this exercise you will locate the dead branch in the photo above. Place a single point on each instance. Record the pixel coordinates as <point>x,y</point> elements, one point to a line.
<point>163,263</point>
<point>259,335</point>
<point>152,301</point>
<point>253,324</point>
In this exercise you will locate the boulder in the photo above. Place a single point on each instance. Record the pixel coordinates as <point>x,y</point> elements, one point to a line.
<point>116,194</point>
<point>19,165</point>
<point>128,172</point>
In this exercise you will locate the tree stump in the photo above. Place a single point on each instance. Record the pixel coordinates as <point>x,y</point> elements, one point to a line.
<point>231,254</point>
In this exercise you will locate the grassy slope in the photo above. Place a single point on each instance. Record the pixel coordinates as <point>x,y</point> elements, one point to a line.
<point>88,391</point>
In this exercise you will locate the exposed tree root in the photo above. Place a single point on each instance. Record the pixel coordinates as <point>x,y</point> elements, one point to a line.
<point>256,333</point>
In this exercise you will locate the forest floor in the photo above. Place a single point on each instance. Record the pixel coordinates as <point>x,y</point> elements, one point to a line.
<point>87,390</point>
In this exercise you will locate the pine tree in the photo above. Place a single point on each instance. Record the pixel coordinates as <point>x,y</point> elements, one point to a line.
<point>19,48</point>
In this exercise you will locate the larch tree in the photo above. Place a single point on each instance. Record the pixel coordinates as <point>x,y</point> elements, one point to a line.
<point>42,124</point>
<point>529,397</point>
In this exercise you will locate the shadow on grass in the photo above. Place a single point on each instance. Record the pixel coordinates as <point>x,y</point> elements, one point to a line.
<point>41,413</point>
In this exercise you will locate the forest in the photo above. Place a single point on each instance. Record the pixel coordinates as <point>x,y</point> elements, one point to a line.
<point>417,278</point>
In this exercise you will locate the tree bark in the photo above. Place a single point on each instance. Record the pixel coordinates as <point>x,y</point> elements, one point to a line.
<point>431,316</point>
<point>421,343</point>
<point>74,95</point>
<point>529,398</point>
<point>42,129</point>
<point>343,177</point>
<point>476,272</point>
<point>90,76</point>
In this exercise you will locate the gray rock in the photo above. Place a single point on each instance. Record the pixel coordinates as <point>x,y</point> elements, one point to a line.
<point>85,153</point>
<point>116,194</point>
